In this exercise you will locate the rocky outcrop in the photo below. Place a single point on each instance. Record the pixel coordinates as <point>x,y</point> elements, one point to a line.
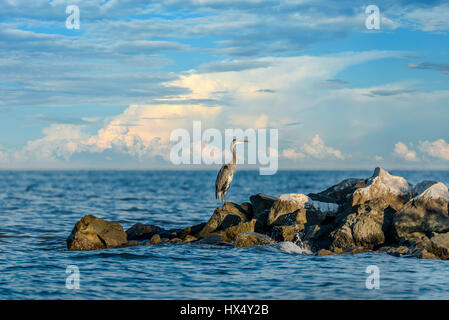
<point>92,233</point>
<point>381,213</point>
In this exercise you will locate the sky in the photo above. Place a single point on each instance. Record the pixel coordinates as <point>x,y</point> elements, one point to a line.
<point>110,94</point>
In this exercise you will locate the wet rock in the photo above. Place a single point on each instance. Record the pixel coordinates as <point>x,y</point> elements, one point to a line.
<point>356,249</point>
<point>141,231</point>
<point>92,233</point>
<point>191,231</point>
<point>395,251</point>
<point>261,202</point>
<point>426,213</point>
<point>175,240</point>
<point>132,243</point>
<point>247,239</point>
<point>155,239</point>
<point>424,254</point>
<point>213,239</point>
<point>189,239</point>
<point>325,252</point>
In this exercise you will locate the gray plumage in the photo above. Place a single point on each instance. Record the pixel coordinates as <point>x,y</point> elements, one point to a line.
<point>226,174</point>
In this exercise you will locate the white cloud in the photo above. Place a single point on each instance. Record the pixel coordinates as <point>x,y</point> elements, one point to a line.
<point>292,154</point>
<point>60,141</point>
<point>432,18</point>
<point>379,158</point>
<point>274,92</point>
<point>401,151</point>
<point>437,149</point>
<point>316,149</point>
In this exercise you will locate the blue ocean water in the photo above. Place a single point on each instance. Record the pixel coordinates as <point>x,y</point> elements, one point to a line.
<point>38,210</point>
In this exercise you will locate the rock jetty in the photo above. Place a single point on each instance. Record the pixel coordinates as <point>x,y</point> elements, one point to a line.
<point>382,213</point>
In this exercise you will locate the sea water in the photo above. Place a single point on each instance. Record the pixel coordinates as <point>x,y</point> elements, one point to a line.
<point>38,210</point>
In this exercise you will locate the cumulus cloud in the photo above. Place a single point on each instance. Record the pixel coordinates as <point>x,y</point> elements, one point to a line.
<point>316,149</point>
<point>60,141</point>
<point>437,149</point>
<point>292,154</point>
<point>402,151</point>
<point>144,130</point>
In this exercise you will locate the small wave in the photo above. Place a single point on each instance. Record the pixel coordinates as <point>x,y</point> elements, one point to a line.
<point>290,247</point>
<point>129,199</point>
<point>134,209</point>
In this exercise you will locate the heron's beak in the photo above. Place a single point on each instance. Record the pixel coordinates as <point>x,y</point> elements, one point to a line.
<point>245,141</point>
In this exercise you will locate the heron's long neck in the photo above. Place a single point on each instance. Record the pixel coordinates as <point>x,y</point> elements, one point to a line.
<point>234,155</point>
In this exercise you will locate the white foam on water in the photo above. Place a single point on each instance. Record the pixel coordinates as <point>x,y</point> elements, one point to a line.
<point>290,247</point>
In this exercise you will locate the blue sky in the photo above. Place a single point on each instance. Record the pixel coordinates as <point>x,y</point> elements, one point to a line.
<point>109,94</point>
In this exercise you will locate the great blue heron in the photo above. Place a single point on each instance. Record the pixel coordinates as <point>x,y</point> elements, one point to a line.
<point>226,174</point>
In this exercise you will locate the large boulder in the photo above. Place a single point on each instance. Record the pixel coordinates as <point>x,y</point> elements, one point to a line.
<point>392,189</point>
<point>366,219</point>
<point>369,225</point>
<point>299,209</point>
<point>424,214</point>
<point>372,225</point>
<point>92,233</point>
<point>247,239</point>
<point>261,202</point>
<point>340,192</point>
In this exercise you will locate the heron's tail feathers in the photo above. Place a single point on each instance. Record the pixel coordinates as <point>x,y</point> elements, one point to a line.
<point>219,195</point>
